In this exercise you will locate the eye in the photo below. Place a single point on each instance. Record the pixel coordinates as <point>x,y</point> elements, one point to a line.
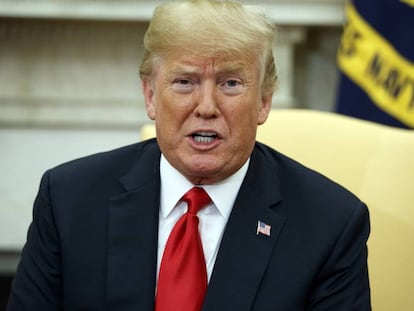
<point>232,83</point>
<point>183,81</point>
<point>232,86</point>
<point>181,85</point>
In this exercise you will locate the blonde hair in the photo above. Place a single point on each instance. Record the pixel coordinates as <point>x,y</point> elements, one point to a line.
<point>211,28</point>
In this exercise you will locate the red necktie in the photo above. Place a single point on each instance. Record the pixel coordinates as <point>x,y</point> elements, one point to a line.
<point>182,281</point>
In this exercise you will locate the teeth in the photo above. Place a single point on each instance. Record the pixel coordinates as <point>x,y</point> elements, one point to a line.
<point>203,139</point>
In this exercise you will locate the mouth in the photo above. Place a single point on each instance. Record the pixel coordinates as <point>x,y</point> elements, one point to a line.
<point>204,137</point>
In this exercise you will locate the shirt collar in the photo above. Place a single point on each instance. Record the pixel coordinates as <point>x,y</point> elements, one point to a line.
<point>174,185</point>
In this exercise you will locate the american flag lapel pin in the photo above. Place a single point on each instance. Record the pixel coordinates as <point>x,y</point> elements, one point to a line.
<point>263,228</point>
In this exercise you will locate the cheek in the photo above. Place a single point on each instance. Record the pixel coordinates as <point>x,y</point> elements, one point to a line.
<point>242,125</point>
<point>171,115</point>
<point>176,109</point>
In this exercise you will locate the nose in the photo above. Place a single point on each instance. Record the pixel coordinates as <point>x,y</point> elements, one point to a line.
<point>207,105</point>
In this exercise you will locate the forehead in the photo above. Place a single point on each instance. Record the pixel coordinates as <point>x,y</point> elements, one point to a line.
<point>203,64</point>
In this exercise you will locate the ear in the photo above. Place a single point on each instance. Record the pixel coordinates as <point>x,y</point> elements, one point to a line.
<point>264,109</point>
<point>149,97</point>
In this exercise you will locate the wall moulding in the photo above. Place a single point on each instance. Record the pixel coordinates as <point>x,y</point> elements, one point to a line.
<point>47,30</point>
<point>71,113</point>
<point>296,12</point>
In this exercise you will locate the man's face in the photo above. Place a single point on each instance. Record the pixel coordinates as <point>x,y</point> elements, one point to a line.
<point>206,112</point>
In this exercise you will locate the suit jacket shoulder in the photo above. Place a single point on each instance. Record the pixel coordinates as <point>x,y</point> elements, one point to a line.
<point>296,182</point>
<point>93,236</point>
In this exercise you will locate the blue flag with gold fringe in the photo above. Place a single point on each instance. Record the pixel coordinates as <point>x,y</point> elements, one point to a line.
<point>376,62</point>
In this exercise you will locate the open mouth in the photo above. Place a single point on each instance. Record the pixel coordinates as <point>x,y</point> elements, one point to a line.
<point>204,137</point>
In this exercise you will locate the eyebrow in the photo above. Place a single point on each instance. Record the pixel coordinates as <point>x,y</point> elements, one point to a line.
<point>184,71</point>
<point>232,67</point>
<point>226,68</point>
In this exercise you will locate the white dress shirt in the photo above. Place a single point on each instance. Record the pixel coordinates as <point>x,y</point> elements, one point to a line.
<point>213,218</point>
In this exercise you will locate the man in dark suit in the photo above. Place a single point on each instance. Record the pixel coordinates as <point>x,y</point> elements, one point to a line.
<point>272,234</point>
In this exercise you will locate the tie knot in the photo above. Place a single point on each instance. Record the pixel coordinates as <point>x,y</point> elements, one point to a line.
<point>196,199</point>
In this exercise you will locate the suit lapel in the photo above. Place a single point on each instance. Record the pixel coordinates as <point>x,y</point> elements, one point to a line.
<point>132,236</point>
<point>244,255</point>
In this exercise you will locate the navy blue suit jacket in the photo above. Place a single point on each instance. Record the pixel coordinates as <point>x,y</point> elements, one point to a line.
<point>92,244</point>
